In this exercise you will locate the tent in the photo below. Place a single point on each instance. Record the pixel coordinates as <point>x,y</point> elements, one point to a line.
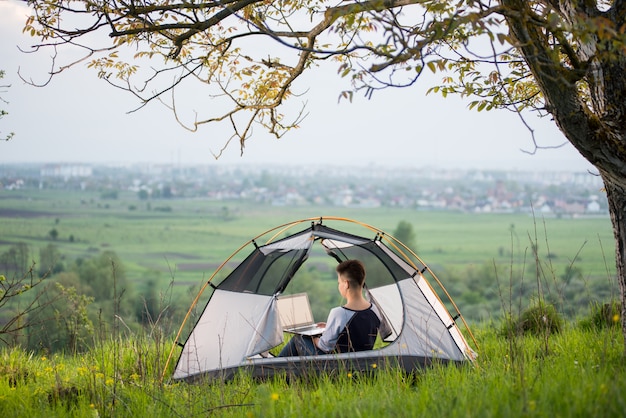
<point>241,322</point>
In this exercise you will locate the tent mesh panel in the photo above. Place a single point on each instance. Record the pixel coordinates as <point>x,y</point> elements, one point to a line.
<point>381,270</point>
<point>266,272</point>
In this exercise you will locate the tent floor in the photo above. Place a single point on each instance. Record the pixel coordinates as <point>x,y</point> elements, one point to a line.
<point>264,368</point>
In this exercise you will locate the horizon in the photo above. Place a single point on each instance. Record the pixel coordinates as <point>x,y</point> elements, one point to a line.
<point>265,164</point>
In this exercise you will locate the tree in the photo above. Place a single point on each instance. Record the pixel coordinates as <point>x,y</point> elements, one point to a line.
<point>564,59</point>
<point>143,194</point>
<point>15,262</point>
<point>53,234</point>
<point>21,297</point>
<point>98,274</point>
<point>405,234</point>
<point>50,260</point>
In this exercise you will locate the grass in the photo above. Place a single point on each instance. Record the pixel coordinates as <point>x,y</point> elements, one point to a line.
<point>581,375</point>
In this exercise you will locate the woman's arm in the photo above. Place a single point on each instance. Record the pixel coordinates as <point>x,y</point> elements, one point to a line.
<point>316,341</point>
<point>337,320</point>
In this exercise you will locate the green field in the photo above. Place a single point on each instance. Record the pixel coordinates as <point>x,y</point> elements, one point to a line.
<point>185,240</point>
<point>195,229</point>
<point>486,261</point>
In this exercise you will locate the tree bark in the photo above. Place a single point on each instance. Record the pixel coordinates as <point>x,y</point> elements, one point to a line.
<point>616,194</point>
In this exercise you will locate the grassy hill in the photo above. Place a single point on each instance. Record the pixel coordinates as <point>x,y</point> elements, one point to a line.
<point>577,373</point>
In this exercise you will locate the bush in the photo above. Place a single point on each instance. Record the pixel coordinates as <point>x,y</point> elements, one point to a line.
<point>603,315</point>
<point>540,318</point>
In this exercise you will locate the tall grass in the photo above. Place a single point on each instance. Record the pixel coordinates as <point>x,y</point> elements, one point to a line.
<point>583,375</point>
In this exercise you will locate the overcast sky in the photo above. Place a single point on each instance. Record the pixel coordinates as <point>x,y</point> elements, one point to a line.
<point>79,118</point>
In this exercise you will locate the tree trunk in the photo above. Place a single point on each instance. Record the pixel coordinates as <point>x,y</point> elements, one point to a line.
<point>597,128</point>
<point>616,194</point>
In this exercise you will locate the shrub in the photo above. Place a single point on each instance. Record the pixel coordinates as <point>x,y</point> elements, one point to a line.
<point>540,318</point>
<point>603,315</point>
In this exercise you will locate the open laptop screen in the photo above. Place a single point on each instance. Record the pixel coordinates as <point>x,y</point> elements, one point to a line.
<point>294,310</point>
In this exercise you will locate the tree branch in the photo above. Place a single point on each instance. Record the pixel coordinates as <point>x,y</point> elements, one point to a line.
<point>619,9</point>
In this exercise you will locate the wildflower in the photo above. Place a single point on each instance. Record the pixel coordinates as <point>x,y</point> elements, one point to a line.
<point>349,375</point>
<point>616,317</point>
<point>44,358</point>
<point>92,406</point>
<point>108,382</point>
<point>274,396</point>
<point>374,366</point>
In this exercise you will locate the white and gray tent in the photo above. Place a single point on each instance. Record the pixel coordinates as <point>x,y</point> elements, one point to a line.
<point>241,322</point>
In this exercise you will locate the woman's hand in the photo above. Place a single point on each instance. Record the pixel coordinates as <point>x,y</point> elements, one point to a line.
<point>315,341</point>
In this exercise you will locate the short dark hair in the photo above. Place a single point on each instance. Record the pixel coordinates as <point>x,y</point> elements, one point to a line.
<point>353,270</point>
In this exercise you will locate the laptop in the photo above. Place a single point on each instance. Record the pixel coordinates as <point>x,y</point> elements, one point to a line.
<point>296,316</point>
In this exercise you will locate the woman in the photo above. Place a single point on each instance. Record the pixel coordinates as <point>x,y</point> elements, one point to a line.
<point>351,327</point>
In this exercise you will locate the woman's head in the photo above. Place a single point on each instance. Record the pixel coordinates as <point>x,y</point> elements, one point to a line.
<point>353,272</point>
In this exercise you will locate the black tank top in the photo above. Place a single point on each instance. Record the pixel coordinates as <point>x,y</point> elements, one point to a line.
<point>360,332</point>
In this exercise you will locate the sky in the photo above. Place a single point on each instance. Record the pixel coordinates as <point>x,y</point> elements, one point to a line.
<point>78,118</point>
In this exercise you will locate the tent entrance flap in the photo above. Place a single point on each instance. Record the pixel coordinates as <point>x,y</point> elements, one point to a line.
<point>268,332</point>
<point>232,326</point>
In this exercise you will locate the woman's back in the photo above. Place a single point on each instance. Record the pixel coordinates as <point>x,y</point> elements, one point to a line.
<point>350,330</point>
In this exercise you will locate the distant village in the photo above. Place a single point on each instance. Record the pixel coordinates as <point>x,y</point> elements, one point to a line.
<point>481,191</point>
